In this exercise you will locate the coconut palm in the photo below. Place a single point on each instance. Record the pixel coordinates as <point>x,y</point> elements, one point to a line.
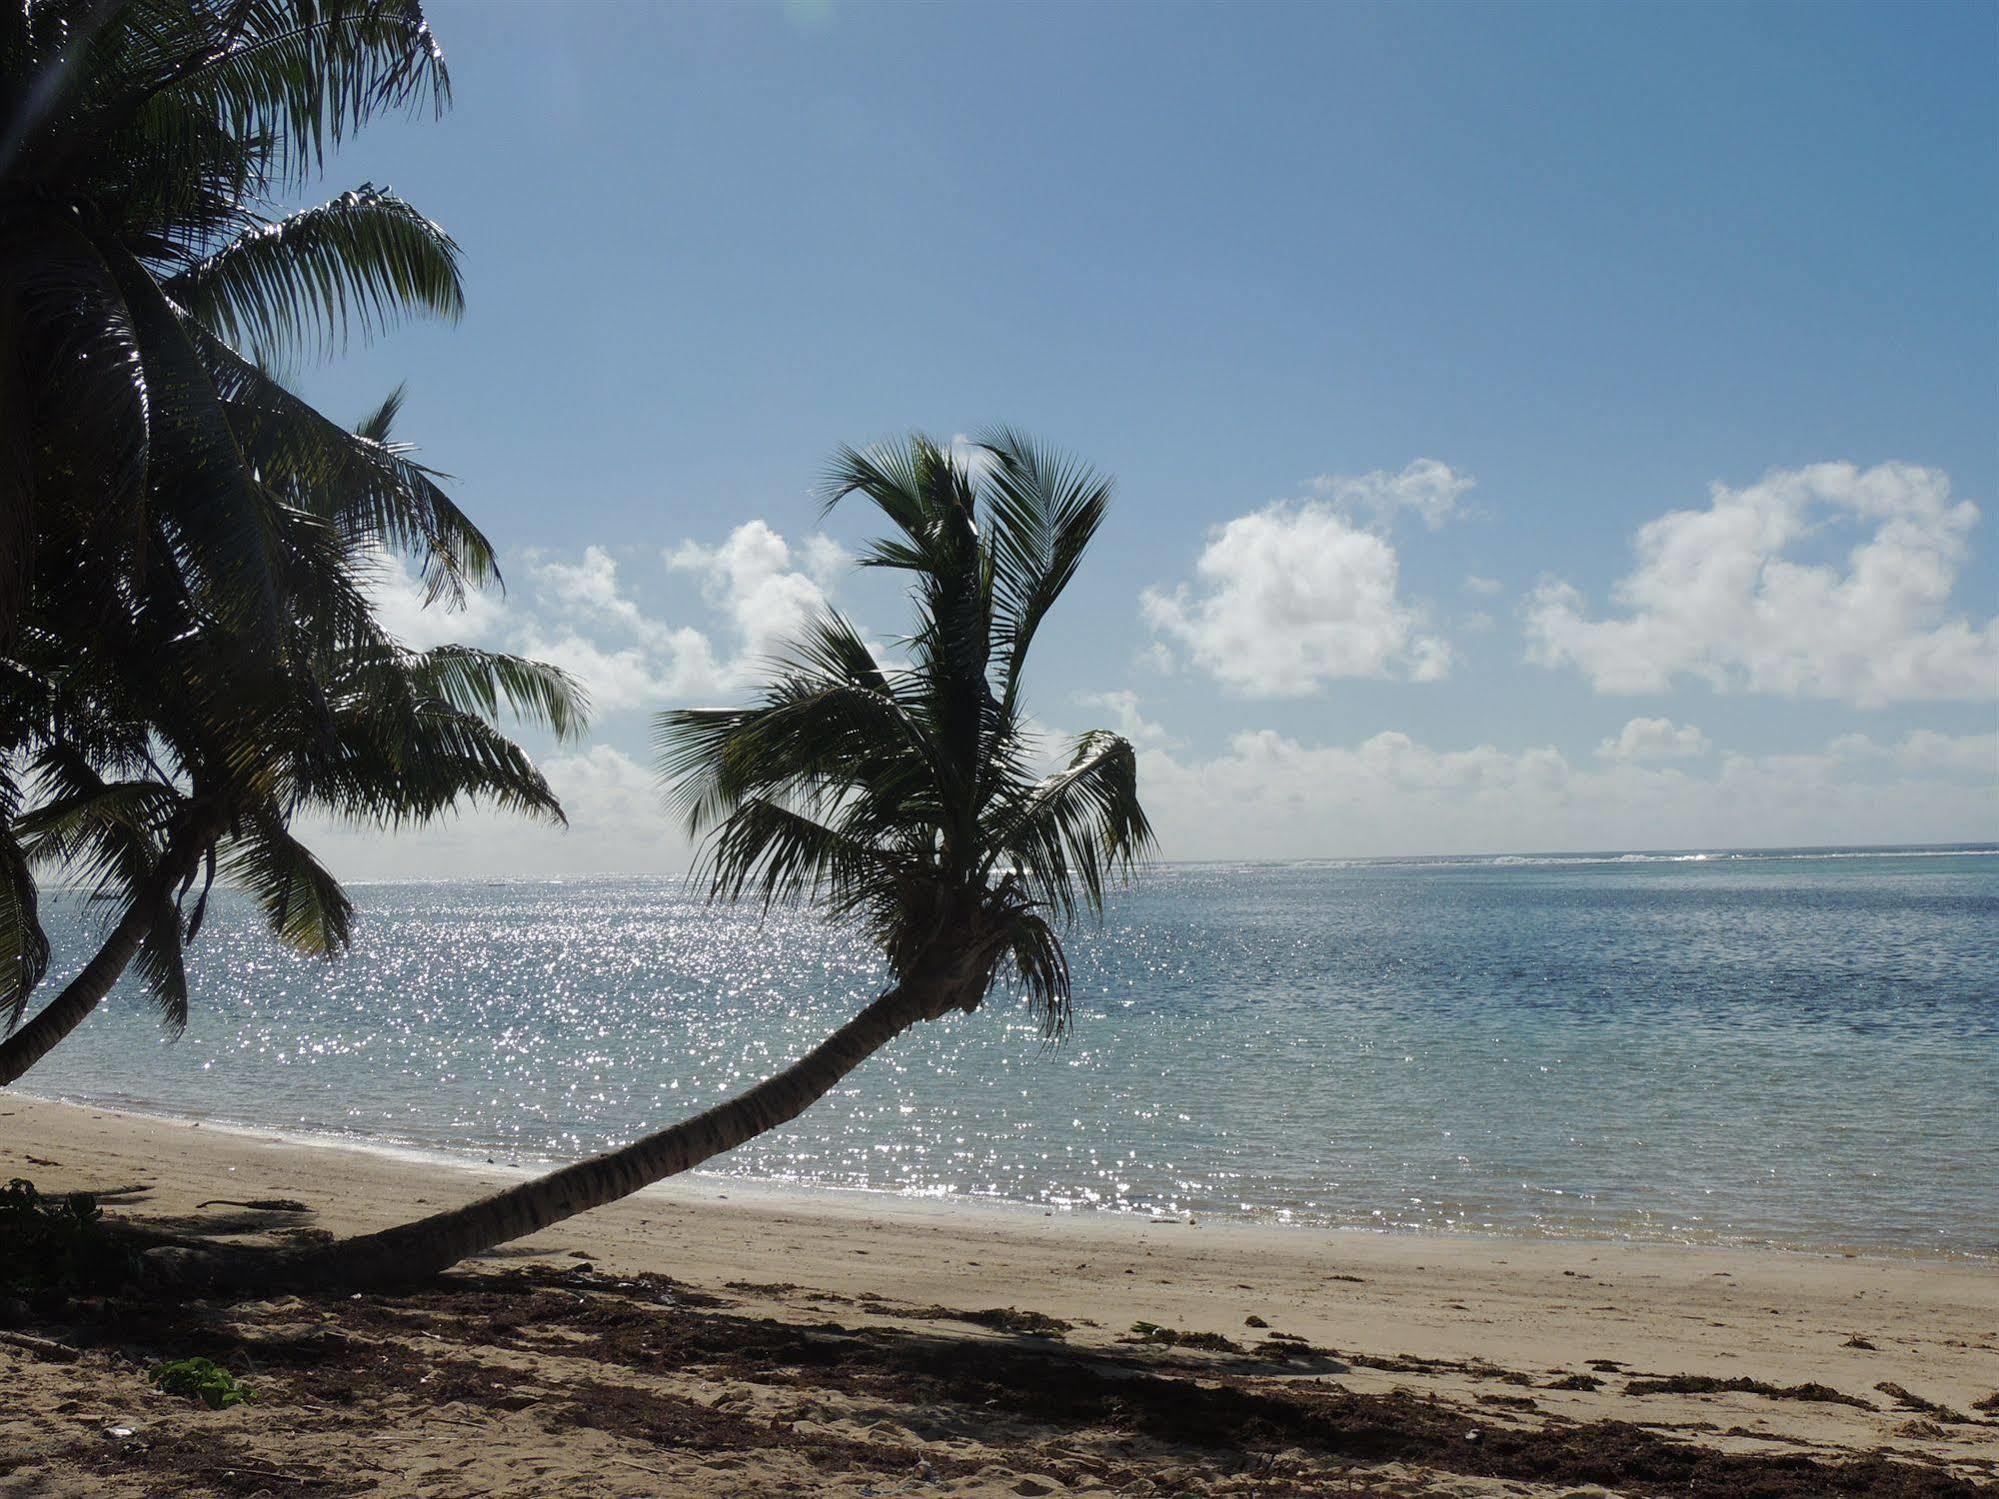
<point>904,798</point>
<point>148,456</point>
<point>380,735</point>
<point>143,146</point>
<point>166,752</point>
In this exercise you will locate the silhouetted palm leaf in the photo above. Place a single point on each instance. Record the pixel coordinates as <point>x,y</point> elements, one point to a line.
<point>365,259</point>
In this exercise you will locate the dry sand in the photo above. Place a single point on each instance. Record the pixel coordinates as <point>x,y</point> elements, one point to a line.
<point>714,1338</point>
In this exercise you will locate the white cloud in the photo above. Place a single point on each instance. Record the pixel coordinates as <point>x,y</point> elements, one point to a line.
<point>673,665</point>
<point>754,578</point>
<point>578,615</point>
<point>968,454</point>
<point>1648,739</point>
<point>605,793</point>
<point>1429,488</point>
<point>618,823</point>
<point>580,618</point>
<point>1487,586</point>
<point>1715,596</point>
<point>1925,749</point>
<point>1126,719</point>
<point>397,594</point>
<point>1976,754</point>
<point>1294,596</point>
<point>1268,795</point>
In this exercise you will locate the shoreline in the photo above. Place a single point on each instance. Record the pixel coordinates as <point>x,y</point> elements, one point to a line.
<point>802,1196</point>
<point>1526,1337</point>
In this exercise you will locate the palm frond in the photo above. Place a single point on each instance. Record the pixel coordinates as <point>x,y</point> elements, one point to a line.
<point>481,682</point>
<point>812,740</point>
<point>378,425</point>
<point>367,259</point>
<point>86,404</point>
<point>24,945</point>
<point>205,492</point>
<point>161,964</point>
<point>300,74</point>
<point>783,857</point>
<point>107,833</point>
<point>1080,828</point>
<point>1040,967</point>
<point>1044,509</point>
<point>17,494</point>
<point>904,801</point>
<point>367,486</point>
<point>928,495</point>
<point>304,905</point>
<point>401,759</point>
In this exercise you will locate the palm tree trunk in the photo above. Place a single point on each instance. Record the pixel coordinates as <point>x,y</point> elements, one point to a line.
<point>82,994</point>
<point>416,1251</point>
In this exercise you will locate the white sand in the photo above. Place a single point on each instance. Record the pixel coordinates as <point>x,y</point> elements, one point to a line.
<point>1524,1305</point>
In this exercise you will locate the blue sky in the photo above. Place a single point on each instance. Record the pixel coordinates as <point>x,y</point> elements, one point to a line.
<point>1585,262</point>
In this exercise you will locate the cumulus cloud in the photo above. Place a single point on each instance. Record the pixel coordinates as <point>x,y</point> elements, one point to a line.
<point>1266,794</point>
<point>622,678</point>
<point>1294,596</point>
<point>607,795</point>
<point>590,588</point>
<point>968,452</point>
<point>767,588</point>
<point>1648,739</point>
<point>579,614</point>
<point>397,595</point>
<point>1719,595</point>
<point>1925,749</point>
<point>1975,754</point>
<point>1426,488</point>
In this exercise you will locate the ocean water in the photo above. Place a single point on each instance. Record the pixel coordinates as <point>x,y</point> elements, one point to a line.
<point>1788,1047</point>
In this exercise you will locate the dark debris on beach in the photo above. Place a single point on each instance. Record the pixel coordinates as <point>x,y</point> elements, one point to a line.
<point>641,1360</point>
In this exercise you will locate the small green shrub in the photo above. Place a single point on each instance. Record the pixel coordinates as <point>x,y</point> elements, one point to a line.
<point>58,1243</point>
<point>202,1379</point>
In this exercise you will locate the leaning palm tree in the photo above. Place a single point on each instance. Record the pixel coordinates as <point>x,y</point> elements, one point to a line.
<point>381,735</point>
<point>147,271</point>
<point>166,750</point>
<point>904,798</point>
<point>150,460</point>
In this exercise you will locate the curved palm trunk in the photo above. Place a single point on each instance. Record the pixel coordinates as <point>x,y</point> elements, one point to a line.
<point>63,1014</point>
<point>82,994</point>
<point>416,1251</point>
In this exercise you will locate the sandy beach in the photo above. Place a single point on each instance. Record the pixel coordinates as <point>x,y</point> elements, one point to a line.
<point>716,1338</point>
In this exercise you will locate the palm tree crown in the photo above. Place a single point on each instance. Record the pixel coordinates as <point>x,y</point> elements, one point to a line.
<point>189,653</point>
<point>148,275</point>
<point>907,796</point>
<point>165,750</point>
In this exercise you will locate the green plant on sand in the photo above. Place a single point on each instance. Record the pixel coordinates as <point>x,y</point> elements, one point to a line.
<point>202,1379</point>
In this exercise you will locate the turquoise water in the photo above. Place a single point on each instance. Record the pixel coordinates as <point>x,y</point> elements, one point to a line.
<point>1798,1048</point>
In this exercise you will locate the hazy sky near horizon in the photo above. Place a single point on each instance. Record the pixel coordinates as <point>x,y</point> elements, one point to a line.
<point>1537,427</point>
